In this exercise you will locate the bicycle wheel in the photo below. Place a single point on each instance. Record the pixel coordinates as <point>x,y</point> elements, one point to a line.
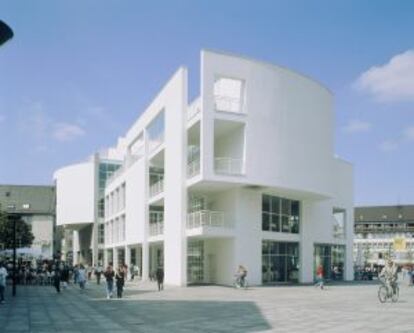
<point>395,295</point>
<point>382,294</point>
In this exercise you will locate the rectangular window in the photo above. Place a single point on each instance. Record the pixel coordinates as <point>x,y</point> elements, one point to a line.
<point>228,95</point>
<point>101,234</point>
<point>280,214</point>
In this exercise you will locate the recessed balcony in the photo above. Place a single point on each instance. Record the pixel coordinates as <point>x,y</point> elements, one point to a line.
<point>208,218</point>
<point>228,165</point>
<point>156,229</point>
<point>156,222</point>
<point>193,168</point>
<point>156,188</point>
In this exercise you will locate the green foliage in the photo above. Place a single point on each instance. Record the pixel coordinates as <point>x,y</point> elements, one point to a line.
<point>24,235</point>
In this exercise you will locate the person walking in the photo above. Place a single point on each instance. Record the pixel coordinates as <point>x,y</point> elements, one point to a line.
<point>109,277</point>
<point>319,277</point>
<point>159,275</point>
<point>120,281</point>
<point>57,277</point>
<point>82,277</point>
<point>76,274</point>
<point>3,277</point>
<point>65,276</point>
<point>98,273</point>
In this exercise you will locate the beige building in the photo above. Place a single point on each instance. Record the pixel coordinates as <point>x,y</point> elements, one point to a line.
<point>36,206</point>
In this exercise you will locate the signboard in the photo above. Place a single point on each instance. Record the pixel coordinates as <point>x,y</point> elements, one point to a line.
<point>399,244</point>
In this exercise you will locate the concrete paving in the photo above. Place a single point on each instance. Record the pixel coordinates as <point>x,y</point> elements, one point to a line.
<point>339,308</point>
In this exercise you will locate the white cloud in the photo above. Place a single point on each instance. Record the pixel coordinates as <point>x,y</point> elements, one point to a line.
<point>357,125</point>
<point>67,132</point>
<point>389,145</point>
<point>393,81</point>
<point>408,133</point>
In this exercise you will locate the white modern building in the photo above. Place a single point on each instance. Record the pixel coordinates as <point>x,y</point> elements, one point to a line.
<point>244,174</point>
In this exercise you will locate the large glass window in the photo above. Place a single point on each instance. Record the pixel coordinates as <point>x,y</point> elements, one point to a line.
<point>280,214</point>
<point>195,262</point>
<point>332,260</point>
<point>101,233</point>
<point>106,169</point>
<point>280,261</point>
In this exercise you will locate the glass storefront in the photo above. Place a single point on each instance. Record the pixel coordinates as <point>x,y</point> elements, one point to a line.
<point>280,262</point>
<point>195,262</point>
<point>332,259</point>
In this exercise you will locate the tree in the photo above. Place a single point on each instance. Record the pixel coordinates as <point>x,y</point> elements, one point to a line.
<point>24,235</point>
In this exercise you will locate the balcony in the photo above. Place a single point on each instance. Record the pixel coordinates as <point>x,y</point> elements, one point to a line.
<point>207,218</point>
<point>193,168</point>
<point>228,165</point>
<point>382,229</point>
<point>156,188</point>
<point>156,229</point>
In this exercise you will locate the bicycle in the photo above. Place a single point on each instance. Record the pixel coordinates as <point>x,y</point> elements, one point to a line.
<point>240,283</point>
<point>386,292</point>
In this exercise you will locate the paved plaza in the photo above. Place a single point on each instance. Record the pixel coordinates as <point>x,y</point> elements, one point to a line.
<point>339,308</point>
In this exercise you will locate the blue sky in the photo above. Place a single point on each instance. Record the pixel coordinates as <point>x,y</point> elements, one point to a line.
<point>78,73</point>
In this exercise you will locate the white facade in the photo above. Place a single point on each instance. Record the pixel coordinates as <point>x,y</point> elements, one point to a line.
<point>245,174</point>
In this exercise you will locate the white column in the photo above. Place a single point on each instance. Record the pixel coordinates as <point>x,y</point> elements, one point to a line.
<point>128,261</point>
<point>145,261</point>
<point>175,202</point>
<point>115,257</point>
<point>75,247</point>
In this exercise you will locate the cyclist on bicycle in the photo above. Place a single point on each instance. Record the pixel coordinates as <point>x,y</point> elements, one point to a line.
<point>389,273</point>
<point>241,274</point>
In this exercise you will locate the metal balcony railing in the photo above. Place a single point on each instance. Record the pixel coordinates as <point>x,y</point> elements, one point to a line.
<point>374,229</point>
<point>156,188</point>
<point>207,218</point>
<point>156,229</point>
<point>193,168</point>
<point>228,165</point>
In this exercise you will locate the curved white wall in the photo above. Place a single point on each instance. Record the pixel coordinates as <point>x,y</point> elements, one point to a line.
<point>75,187</point>
<point>289,124</point>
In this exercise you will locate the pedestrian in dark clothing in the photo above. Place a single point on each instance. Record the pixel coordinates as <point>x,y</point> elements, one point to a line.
<point>159,274</point>
<point>109,276</point>
<point>56,278</point>
<point>65,276</point>
<point>120,281</point>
